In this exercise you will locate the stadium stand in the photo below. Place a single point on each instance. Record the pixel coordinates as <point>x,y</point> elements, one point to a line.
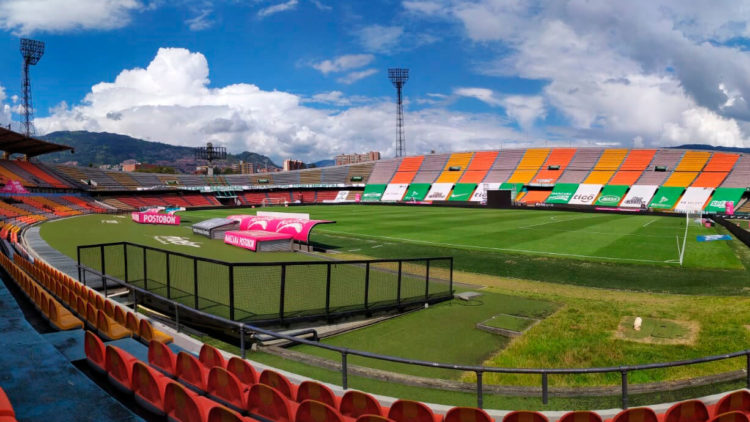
<point>504,165</point>
<point>479,166</point>
<point>530,163</point>
<point>632,167</point>
<point>553,167</point>
<point>359,171</point>
<point>431,168</point>
<point>739,177</point>
<point>581,165</point>
<point>455,167</point>
<point>383,171</point>
<point>605,168</point>
<point>325,195</point>
<point>333,175</point>
<point>681,178</point>
<point>534,197</point>
<point>308,177</point>
<point>693,161</point>
<point>407,169</point>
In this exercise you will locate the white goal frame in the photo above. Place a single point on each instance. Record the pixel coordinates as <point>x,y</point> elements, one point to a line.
<point>270,202</point>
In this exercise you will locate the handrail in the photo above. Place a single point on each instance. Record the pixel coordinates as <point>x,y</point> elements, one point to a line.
<point>247,329</point>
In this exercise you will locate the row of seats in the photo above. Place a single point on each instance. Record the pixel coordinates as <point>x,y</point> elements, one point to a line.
<point>55,313</point>
<point>7,414</point>
<point>108,318</point>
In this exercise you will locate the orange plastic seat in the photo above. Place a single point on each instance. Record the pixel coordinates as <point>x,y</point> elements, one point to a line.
<point>243,370</point>
<point>109,309</point>
<point>311,390</point>
<point>81,307</point>
<point>222,414</point>
<point>183,406</point>
<point>315,411</point>
<point>91,314</point>
<point>119,365</point>
<point>120,318</point>
<point>357,403</point>
<point>687,411</point>
<point>132,323</point>
<point>149,388</point>
<point>412,411</point>
<point>61,318</point>
<point>191,371</point>
<point>736,401</point>
<point>108,328</point>
<point>471,414</point>
<point>636,414</point>
<point>226,388</point>
<point>269,403</point>
<point>147,333</point>
<point>734,416</point>
<point>6,408</point>
<point>211,356</point>
<point>580,416</point>
<point>162,358</point>
<point>525,416</point>
<point>279,382</point>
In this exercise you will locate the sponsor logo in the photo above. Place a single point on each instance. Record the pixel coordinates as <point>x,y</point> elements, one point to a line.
<point>559,196</point>
<point>159,218</point>
<point>609,198</point>
<point>436,195</point>
<point>718,204</point>
<point>297,226</point>
<point>635,200</point>
<point>242,242</point>
<point>110,222</point>
<point>663,200</point>
<point>176,240</point>
<point>588,197</point>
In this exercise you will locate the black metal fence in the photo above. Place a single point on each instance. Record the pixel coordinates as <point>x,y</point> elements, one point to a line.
<point>275,292</point>
<point>740,233</point>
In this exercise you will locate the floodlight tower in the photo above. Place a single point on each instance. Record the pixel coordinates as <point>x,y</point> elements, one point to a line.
<point>32,51</point>
<point>210,153</point>
<point>398,78</point>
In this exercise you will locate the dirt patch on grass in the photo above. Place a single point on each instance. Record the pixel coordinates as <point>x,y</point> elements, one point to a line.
<point>658,331</point>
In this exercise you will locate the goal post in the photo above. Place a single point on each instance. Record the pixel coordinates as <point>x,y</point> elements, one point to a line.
<point>272,202</point>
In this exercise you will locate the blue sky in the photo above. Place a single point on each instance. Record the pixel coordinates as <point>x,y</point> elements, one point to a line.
<point>306,79</point>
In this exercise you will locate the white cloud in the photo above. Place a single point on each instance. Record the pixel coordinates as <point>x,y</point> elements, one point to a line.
<point>27,16</point>
<point>277,8</point>
<point>201,21</point>
<point>320,5</point>
<point>379,38</point>
<point>482,94</point>
<point>170,101</point>
<point>655,71</point>
<point>352,77</point>
<point>343,63</point>
<point>5,109</point>
<point>524,109</point>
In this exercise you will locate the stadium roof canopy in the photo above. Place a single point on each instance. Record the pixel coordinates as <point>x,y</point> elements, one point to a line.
<point>17,143</point>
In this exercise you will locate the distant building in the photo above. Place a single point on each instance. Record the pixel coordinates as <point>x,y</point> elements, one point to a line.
<point>293,165</point>
<point>357,158</point>
<point>129,165</point>
<point>246,168</point>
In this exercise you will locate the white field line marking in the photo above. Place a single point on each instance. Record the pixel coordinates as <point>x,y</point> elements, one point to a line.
<point>649,223</point>
<point>551,222</point>
<point>533,252</point>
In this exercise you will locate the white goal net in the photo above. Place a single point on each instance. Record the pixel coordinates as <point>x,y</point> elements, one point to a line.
<point>272,202</point>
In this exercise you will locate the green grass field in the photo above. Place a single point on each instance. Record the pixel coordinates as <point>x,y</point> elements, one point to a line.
<point>522,258</point>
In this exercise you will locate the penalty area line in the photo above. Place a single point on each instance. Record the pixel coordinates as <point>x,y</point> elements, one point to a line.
<point>488,248</point>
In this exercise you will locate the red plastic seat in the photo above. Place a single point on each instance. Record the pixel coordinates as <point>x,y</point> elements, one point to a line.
<point>6,408</point>
<point>222,414</point>
<point>412,411</point>
<point>149,387</point>
<point>687,411</point>
<point>736,401</point>
<point>356,403</point>
<point>119,316</point>
<point>109,309</point>
<point>373,418</point>
<point>267,402</point>
<point>243,370</point>
<point>311,390</point>
<point>162,358</point>
<point>181,405</point>
<point>279,382</point>
<point>119,365</point>
<point>191,371</point>
<point>91,314</point>
<point>315,411</point>
<point>132,323</point>
<point>226,388</point>
<point>581,416</point>
<point>636,414</point>
<point>211,356</point>
<point>472,414</point>
<point>734,416</point>
<point>95,352</point>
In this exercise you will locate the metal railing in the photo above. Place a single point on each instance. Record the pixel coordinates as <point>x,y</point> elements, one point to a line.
<point>247,333</point>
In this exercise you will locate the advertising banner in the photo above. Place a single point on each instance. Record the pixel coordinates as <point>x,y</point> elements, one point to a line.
<point>462,191</point>
<point>394,192</point>
<point>585,194</point>
<point>373,192</point>
<point>693,199</point>
<point>724,199</point>
<point>341,196</point>
<point>13,186</point>
<point>638,196</point>
<point>666,197</point>
<point>562,193</point>
<point>250,239</point>
<point>417,192</point>
<point>480,195</point>
<point>297,227</point>
<point>154,218</point>
<point>611,195</point>
<point>439,192</point>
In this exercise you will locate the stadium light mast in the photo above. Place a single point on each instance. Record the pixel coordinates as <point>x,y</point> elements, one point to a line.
<point>398,78</point>
<point>32,51</point>
<point>210,153</point>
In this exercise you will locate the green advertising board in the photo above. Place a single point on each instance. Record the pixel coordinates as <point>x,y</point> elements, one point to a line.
<point>373,192</point>
<point>416,192</point>
<point>722,196</point>
<point>666,197</point>
<point>561,193</point>
<point>611,195</point>
<point>462,191</point>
